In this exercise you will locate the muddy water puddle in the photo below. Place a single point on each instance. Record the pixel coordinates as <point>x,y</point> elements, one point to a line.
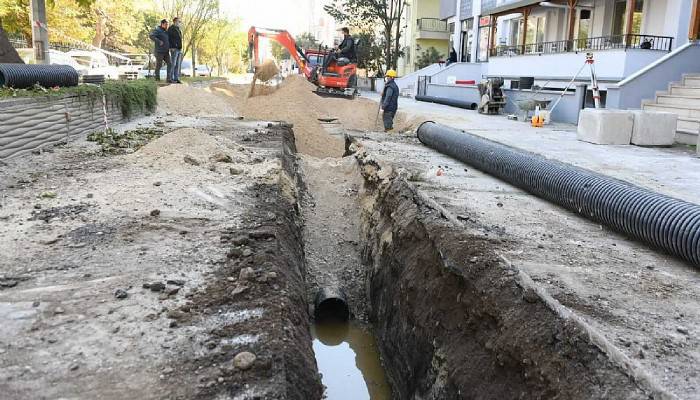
<point>348,358</point>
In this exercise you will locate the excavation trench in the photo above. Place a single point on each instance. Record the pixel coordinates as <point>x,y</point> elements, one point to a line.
<point>451,318</point>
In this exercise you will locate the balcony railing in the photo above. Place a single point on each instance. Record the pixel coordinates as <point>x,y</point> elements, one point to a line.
<point>644,42</point>
<point>432,25</point>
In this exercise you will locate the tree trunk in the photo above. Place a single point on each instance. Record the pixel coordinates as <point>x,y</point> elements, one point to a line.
<point>8,54</point>
<point>100,25</point>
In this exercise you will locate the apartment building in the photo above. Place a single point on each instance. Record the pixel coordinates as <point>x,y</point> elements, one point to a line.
<point>645,51</point>
<point>423,29</point>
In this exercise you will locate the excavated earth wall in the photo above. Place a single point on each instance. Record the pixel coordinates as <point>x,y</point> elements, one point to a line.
<point>454,320</point>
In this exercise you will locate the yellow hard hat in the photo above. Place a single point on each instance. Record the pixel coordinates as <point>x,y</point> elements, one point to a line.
<point>391,73</point>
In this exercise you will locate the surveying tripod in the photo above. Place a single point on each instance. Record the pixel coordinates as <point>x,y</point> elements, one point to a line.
<point>594,83</point>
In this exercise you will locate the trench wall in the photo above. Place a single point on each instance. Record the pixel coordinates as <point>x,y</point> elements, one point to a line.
<point>30,123</point>
<point>455,320</point>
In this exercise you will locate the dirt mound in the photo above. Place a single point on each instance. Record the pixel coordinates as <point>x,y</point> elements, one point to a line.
<point>294,101</point>
<point>172,148</point>
<point>190,101</point>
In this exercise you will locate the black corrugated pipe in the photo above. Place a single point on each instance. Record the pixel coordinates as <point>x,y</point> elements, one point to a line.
<point>664,222</point>
<point>331,304</point>
<point>469,105</point>
<point>22,76</point>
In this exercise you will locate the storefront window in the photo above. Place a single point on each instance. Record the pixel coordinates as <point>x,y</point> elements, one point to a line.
<point>467,39</point>
<point>484,36</point>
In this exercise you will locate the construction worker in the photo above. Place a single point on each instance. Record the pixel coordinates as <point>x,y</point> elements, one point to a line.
<point>346,49</point>
<point>390,100</point>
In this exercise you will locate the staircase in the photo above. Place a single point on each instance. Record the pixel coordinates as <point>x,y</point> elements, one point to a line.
<point>682,99</point>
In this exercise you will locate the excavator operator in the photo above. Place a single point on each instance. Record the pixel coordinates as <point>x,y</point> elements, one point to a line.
<point>346,49</point>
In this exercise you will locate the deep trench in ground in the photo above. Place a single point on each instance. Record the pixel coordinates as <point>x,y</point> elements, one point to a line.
<point>435,312</point>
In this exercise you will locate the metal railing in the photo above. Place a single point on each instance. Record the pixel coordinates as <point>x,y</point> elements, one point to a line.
<point>432,25</point>
<point>644,42</point>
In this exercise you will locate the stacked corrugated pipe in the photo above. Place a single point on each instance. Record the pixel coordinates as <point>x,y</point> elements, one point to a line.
<point>23,76</point>
<point>664,222</point>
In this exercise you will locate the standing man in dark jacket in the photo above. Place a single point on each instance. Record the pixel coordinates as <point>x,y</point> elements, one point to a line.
<point>390,100</point>
<point>175,38</point>
<point>162,47</point>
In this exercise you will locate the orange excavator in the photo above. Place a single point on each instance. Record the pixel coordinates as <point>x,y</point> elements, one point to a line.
<point>338,79</point>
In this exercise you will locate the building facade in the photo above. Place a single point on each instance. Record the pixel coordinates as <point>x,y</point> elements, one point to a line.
<point>423,28</point>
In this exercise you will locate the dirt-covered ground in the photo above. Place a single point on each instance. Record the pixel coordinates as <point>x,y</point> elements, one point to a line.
<point>184,269</point>
<point>171,271</point>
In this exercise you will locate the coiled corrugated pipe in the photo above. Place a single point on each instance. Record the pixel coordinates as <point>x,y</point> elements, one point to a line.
<point>664,222</point>
<point>22,76</point>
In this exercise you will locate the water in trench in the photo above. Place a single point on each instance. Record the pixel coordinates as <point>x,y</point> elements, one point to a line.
<point>348,358</point>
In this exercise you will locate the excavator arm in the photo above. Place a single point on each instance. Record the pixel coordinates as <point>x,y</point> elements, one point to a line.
<point>282,37</point>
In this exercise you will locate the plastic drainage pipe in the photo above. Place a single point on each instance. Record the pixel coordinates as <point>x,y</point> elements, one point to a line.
<point>448,102</point>
<point>23,76</point>
<point>331,303</point>
<point>664,222</point>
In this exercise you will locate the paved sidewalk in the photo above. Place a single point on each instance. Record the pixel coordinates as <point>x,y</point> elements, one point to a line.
<point>671,171</point>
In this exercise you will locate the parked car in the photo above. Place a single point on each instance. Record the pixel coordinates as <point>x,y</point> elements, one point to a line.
<point>94,63</point>
<point>202,70</point>
<point>186,69</point>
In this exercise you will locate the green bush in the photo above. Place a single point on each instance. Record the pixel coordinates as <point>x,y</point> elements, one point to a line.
<point>132,96</point>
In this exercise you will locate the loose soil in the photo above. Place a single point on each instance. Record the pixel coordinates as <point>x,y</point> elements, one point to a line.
<point>294,101</point>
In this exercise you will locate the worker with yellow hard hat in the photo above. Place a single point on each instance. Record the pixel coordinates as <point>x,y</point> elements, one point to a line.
<point>390,100</point>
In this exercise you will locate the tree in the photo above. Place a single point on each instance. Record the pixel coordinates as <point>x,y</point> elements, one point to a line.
<point>429,57</point>
<point>369,52</point>
<point>307,40</point>
<point>195,16</point>
<point>279,52</point>
<point>386,14</point>
<point>223,46</point>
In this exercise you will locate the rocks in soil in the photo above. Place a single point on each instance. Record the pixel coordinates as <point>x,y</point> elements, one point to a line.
<point>221,157</point>
<point>154,286</point>
<point>246,274</point>
<point>8,283</point>
<point>240,289</point>
<point>155,213</point>
<point>235,171</point>
<point>247,253</point>
<point>683,330</point>
<point>121,294</point>
<point>172,291</point>
<point>244,360</point>
<point>175,282</point>
<point>74,366</point>
<point>235,253</point>
<point>58,311</point>
<point>261,235</point>
<point>191,160</point>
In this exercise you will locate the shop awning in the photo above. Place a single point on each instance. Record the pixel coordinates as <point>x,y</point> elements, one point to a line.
<point>511,6</point>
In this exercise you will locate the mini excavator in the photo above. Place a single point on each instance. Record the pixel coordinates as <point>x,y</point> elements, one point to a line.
<point>338,79</point>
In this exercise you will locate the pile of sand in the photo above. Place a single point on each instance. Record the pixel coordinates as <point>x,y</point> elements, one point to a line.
<point>189,101</point>
<point>294,101</point>
<point>170,149</point>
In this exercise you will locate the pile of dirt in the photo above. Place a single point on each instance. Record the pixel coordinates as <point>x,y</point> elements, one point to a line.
<point>294,101</point>
<point>189,101</point>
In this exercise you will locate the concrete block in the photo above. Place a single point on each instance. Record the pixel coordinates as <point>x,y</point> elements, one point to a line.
<point>602,126</point>
<point>654,128</point>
